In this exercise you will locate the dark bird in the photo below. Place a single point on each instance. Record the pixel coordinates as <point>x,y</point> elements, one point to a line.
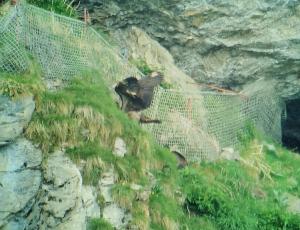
<point>137,95</point>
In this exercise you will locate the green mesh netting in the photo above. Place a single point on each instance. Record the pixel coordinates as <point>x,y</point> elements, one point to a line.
<point>195,123</point>
<point>200,124</point>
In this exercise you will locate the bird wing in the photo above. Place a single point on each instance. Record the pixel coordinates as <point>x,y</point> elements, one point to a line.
<point>150,82</point>
<point>146,88</point>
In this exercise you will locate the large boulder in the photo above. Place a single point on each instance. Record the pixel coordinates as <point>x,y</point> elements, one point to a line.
<point>14,116</point>
<point>20,178</point>
<point>64,203</point>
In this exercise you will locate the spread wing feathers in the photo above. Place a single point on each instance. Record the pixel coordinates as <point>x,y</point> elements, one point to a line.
<point>137,94</point>
<point>146,88</point>
<point>150,82</point>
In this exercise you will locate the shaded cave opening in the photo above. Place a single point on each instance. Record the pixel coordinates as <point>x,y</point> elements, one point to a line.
<point>291,126</point>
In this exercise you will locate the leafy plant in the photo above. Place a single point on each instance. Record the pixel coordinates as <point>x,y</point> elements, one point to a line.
<point>142,66</point>
<point>63,7</point>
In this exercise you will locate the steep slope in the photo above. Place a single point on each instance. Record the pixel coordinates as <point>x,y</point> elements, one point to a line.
<point>135,182</point>
<point>144,186</point>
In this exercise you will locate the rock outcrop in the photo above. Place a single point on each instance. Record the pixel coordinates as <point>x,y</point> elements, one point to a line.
<point>140,46</point>
<point>42,197</point>
<point>20,181</point>
<point>230,43</point>
<point>20,161</point>
<point>112,212</point>
<point>37,193</point>
<point>63,203</point>
<point>14,116</point>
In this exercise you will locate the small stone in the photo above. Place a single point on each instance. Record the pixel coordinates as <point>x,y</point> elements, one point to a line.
<point>144,195</point>
<point>136,187</point>
<point>108,178</point>
<point>120,147</point>
<point>258,193</point>
<point>105,191</point>
<point>106,183</point>
<point>270,147</point>
<point>89,202</point>
<point>116,216</point>
<point>292,202</point>
<point>228,153</point>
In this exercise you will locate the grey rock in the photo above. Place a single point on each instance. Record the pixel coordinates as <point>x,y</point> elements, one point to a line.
<point>105,192</point>
<point>17,188</point>
<point>61,203</point>
<point>75,221</point>
<point>20,180</point>
<point>4,217</point>
<point>106,183</point>
<point>19,155</point>
<point>116,216</point>
<point>108,178</point>
<point>14,116</point>
<point>229,154</point>
<point>136,187</point>
<point>15,224</point>
<point>143,195</point>
<point>140,45</point>
<point>292,202</point>
<point>90,205</point>
<point>120,147</point>
<point>230,43</point>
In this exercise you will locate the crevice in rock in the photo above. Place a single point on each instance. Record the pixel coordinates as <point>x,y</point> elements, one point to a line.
<point>291,125</point>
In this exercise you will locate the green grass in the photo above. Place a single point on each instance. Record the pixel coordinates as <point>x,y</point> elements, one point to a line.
<point>84,119</point>
<point>58,6</point>
<point>142,66</point>
<point>245,194</point>
<point>99,224</point>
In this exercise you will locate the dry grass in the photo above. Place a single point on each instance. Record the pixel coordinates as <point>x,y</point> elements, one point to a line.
<point>256,163</point>
<point>164,221</point>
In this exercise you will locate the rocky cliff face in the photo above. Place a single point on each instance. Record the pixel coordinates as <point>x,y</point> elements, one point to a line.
<point>37,193</point>
<point>230,43</point>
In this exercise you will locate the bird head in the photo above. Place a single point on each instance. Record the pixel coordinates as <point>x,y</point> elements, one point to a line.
<point>123,86</point>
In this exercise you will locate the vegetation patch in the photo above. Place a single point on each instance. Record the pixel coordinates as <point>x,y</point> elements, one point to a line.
<point>99,224</point>
<point>244,194</point>
<point>63,7</point>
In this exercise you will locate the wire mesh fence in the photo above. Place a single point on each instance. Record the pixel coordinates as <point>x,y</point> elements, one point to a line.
<point>195,123</point>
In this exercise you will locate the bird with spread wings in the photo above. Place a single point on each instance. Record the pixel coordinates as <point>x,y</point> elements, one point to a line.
<point>137,94</point>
